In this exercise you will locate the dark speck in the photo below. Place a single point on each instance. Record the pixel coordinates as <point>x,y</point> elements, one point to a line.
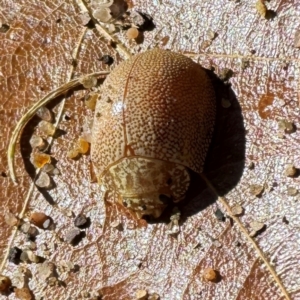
<point>219,215</point>
<point>14,255</point>
<point>4,28</point>
<point>108,60</point>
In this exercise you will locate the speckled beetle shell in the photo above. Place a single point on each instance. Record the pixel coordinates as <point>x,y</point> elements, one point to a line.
<point>153,122</point>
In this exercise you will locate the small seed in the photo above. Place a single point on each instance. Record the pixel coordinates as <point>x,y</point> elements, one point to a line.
<point>47,224</point>
<point>257,226</point>
<point>256,189</point>
<point>44,181</point>
<point>102,14</point>
<point>38,142</point>
<point>45,114</point>
<point>73,236</point>
<point>31,231</point>
<point>24,256</point>
<point>32,245</point>
<point>291,191</point>
<point>116,224</point>
<point>85,18</point>
<point>261,8</point>
<point>48,168</point>
<point>5,284</point>
<point>217,244</point>
<point>82,146</point>
<point>132,33</point>
<point>46,270</point>
<point>11,219</point>
<point>225,74</point>
<point>73,153</point>
<point>154,296</point>
<point>39,159</point>
<point>38,219</point>
<point>88,81</point>
<point>47,128</point>
<point>210,274</point>
<point>141,294</point>
<point>91,100</point>
<point>237,210</point>
<point>52,281</point>
<point>290,171</point>
<point>219,215</point>
<point>81,221</point>
<point>286,126</point>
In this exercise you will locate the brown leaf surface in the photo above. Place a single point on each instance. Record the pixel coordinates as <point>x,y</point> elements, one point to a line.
<point>36,56</point>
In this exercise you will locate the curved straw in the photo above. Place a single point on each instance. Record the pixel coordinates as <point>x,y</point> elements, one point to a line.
<point>31,112</point>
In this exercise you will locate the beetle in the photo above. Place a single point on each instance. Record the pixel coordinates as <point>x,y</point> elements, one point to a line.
<point>153,123</point>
